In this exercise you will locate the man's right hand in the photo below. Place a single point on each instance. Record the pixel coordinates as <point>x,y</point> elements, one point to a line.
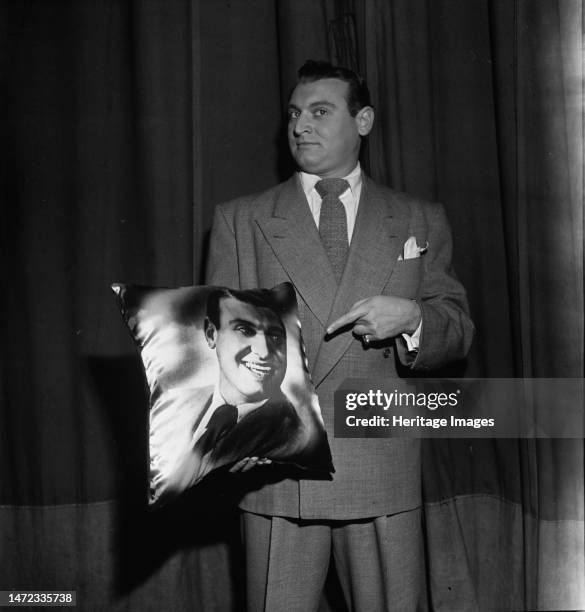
<point>380,317</point>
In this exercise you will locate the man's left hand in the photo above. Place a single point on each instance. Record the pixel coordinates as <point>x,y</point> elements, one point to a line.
<point>246,464</point>
<point>380,317</point>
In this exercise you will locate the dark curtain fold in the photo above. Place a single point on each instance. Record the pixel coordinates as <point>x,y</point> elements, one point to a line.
<point>124,123</point>
<point>480,107</point>
<point>98,188</point>
<point>99,184</point>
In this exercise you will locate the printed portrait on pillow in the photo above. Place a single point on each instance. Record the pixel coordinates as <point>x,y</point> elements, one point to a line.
<point>228,381</point>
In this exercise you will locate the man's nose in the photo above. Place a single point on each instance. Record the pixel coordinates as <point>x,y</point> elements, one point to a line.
<point>303,124</point>
<point>260,345</point>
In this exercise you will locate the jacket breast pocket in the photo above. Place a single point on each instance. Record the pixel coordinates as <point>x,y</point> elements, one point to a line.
<point>405,279</point>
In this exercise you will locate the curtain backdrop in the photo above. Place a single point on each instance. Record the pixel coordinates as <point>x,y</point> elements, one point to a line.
<point>124,123</point>
<point>482,109</point>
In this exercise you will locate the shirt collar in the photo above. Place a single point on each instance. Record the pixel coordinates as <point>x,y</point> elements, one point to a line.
<point>217,401</point>
<point>354,178</point>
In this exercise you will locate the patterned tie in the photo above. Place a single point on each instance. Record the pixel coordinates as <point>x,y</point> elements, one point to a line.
<point>220,423</point>
<point>333,222</point>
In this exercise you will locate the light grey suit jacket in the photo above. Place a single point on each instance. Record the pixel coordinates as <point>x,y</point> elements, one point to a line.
<point>268,238</point>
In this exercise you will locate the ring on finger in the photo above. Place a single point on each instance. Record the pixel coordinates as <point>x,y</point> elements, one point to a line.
<point>366,339</point>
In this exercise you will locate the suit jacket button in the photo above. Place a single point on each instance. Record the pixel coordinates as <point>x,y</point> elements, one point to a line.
<point>387,353</point>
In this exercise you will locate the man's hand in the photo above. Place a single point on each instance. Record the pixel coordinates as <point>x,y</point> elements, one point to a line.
<point>380,317</point>
<point>246,464</point>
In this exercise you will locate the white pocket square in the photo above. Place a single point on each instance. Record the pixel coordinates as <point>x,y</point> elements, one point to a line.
<point>411,250</point>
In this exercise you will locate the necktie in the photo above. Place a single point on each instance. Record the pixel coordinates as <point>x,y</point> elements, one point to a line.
<point>220,423</point>
<point>333,222</point>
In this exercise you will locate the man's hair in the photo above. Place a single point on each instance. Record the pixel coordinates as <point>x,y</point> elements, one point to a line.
<point>261,298</point>
<point>358,94</point>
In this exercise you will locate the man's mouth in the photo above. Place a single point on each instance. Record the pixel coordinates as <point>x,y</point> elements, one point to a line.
<point>259,370</point>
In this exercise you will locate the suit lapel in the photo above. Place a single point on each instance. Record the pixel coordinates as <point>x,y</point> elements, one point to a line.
<point>294,238</point>
<point>378,237</point>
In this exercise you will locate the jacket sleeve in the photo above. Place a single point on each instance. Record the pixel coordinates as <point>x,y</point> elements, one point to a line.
<point>447,330</point>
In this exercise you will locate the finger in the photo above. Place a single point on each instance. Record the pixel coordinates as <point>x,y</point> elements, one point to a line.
<point>349,317</point>
<point>252,461</point>
<point>362,330</point>
<point>237,467</point>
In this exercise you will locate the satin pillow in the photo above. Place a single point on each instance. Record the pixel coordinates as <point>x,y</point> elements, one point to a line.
<point>228,379</point>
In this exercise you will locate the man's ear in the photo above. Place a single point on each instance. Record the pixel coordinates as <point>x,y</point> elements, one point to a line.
<point>210,333</point>
<point>365,120</point>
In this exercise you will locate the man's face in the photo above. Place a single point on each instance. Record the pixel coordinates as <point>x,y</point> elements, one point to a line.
<point>251,351</point>
<point>323,137</point>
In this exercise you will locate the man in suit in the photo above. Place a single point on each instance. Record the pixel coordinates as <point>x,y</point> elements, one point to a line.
<point>377,295</point>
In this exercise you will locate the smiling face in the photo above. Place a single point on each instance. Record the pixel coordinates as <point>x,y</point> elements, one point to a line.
<point>251,350</point>
<point>323,137</point>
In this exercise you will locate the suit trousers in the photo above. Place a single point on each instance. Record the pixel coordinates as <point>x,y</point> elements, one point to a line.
<point>379,562</point>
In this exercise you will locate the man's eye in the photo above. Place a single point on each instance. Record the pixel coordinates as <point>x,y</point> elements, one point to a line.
<point>293,114</point>
<point>245,330</point>
<point>321,112</point>
<point>276,339</point>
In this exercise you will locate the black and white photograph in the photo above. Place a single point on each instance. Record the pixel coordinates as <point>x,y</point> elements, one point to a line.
<point>236,237</point>
<point>228,382</point>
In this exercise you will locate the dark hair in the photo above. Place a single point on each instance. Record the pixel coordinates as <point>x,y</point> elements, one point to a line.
<point>261,298</point>
<point>358,94</point>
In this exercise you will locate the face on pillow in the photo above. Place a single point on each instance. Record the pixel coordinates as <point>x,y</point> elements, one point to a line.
<point>250,342</point>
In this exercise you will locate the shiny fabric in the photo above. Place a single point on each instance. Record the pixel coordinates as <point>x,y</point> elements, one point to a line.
<point>187,369</point>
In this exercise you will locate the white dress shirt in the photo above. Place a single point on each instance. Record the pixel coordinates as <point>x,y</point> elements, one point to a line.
<point>349,198</point>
